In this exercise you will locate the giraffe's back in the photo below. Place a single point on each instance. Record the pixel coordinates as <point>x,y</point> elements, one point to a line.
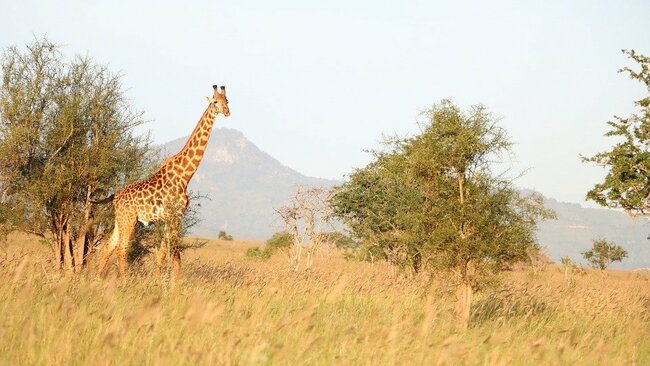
<point>147,199</point>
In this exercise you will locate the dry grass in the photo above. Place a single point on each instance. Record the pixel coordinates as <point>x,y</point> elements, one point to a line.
<point>230,310</point>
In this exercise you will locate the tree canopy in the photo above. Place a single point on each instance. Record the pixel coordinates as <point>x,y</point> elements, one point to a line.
<point>604,252</point>
<point>433,200</point>
<point>627,183</point>
<point>66,138</point>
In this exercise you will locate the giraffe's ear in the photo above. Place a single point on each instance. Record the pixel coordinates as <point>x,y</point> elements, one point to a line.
<point>208,99</point>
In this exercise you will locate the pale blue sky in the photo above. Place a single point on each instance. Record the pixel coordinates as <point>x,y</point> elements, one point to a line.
<point>316,83</point>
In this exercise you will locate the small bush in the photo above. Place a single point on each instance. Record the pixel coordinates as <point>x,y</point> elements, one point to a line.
<point>340,240</point>
<point>224,236</point>
<point>258,253</point>
<point>278,241</point>
<point>365,252</point>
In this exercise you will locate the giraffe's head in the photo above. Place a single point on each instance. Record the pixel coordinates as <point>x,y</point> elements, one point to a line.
<point>219,101</point>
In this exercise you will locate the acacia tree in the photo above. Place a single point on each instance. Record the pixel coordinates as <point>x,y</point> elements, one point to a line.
<point>435,200</point>
<point>628,162</point>
<point>568,266</point>
<point>66,138</point>
<point>603,252</point>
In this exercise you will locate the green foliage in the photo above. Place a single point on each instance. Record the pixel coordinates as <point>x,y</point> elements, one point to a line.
<point>224,236</point>
<point>366,252</point>
<point>339,240</point>
<point>567,262</point>
<point>433,200</point>
<point>626,184</point>
<point>279,241</point>
<point>603,252</point>
<point>569,266</point>
<point>66,138</point>
<point>151,238</point>
<point>376,204</point>
<point>258,253</point>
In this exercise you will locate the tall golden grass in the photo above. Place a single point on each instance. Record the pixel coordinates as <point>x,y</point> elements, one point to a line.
<point>229,310</point>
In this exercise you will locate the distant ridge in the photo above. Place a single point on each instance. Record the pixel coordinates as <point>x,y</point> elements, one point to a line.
<point>576,226</point>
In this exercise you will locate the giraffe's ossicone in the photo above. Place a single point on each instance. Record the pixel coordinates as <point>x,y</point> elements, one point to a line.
<point>162,197</point>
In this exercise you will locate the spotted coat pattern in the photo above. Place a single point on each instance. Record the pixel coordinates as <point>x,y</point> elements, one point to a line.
<point>147,200</point>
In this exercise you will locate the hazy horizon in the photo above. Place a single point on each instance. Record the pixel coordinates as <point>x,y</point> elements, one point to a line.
<point>314,85</point>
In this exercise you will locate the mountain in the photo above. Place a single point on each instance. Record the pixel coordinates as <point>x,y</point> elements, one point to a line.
<point>245,184</point>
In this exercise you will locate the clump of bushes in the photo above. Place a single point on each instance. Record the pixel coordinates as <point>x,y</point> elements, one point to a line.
<point>257,252</point>
<point>281,240</point>
<point>364,252</point>
<point>223,236</point>
<point>340,240</point>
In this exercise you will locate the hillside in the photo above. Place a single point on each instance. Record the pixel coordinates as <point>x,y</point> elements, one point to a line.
<point>244,184</point>
<point>576,226</point>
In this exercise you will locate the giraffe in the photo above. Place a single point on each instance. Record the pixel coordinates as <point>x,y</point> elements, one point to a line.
<point>162,197</point>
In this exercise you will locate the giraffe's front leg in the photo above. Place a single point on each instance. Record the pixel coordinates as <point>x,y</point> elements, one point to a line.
<point>161,258</point>
<point>171,243</point>
<point>176,258</point>
<point>126,232</point>
<point>121,260</point>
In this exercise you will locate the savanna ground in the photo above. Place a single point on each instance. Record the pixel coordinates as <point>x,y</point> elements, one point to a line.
<point>228,309</point>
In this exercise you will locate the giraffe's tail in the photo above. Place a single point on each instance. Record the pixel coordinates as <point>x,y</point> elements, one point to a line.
<point>104,200</point>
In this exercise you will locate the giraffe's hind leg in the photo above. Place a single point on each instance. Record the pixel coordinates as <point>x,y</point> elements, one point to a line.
<point>108,249</point>
<point>127,227</point>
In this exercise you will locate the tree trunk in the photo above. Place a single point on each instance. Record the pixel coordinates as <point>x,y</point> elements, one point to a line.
<point>310,256</point>
<point>463,298</point>
<point>68,253</point>
<point>62,250</point>
<point>80,252</point>
<point>463,303</point>
<point>59,248</point>
<point>462,270</point>
<point>297,254</point>
<point>81,248</point>
<point>64,253</point>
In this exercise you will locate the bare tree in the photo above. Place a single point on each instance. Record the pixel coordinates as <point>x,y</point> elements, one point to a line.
<point>305,216</point>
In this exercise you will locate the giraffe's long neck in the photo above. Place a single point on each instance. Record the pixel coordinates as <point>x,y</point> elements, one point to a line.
<point>191,154</point>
